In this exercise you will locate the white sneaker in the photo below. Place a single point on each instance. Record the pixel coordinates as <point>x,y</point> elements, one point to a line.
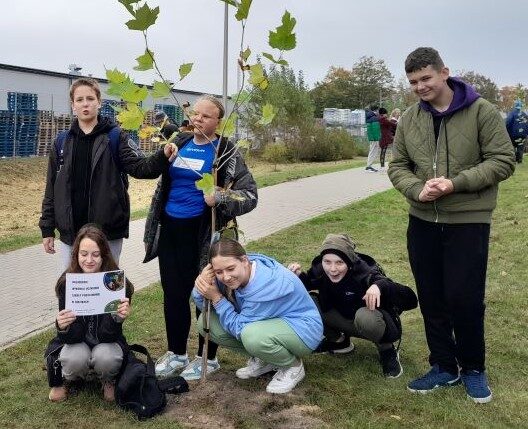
<point>169,363</point>
<point>286,379</point>
<point>254,368</point>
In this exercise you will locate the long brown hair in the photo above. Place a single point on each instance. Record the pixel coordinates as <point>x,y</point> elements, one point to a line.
<point>94,233</point>
<point>227,247</point>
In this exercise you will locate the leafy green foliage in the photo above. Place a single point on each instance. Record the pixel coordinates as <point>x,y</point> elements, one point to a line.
<point>279,61</point>
<point>160,89</point>
<point>244,144</point>
<point>185,69</point>
<point>144,18</point>
<point>230,2</point>
<point>484,85</point>
<point>283,38</point>
<point>227,126</point>
<point>275,153</point>
<point>243,10</point>
<point>145,61</point>
<point>206,184</point>
<point>268,113</point>
<point>132,117</point>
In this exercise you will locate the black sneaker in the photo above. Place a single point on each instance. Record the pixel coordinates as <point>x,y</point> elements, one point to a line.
<point>390,362</point>
<point>340,347</point>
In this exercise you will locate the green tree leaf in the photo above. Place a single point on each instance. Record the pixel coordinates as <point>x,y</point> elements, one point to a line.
<point>145,61</point>
<point>243,10</point>
<point>115,76</point>
<point>144,18</point>
<point>206,184</point>
<point>268,113</point>
<point>256,76</point>
<point>135,94</point>
<point>160,89</point>
<point>185,69</point>
<point>245,54</point>
<point>243,97</point>
<point>131,117</point>
<point>128,4</point>
<point>280,61</point>
<point>227,126</point>
<point>283,38</point>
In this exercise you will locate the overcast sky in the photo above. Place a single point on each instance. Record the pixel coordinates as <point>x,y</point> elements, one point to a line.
<point>486,36</point>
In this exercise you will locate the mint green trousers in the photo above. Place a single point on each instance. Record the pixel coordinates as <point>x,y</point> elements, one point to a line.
<point>271,340</point>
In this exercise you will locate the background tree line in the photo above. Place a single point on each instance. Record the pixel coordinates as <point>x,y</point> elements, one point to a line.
<point>298,135</point>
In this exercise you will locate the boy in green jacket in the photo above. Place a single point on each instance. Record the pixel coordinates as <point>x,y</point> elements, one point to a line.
<point>452,150</point>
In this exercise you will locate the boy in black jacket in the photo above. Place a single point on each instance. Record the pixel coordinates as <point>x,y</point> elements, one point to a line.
<point>356,299</point>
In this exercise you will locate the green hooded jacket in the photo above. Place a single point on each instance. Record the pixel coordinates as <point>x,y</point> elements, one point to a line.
<point>473,151</point>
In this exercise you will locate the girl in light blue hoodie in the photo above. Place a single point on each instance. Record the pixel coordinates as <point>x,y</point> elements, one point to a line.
<point>261,309</point>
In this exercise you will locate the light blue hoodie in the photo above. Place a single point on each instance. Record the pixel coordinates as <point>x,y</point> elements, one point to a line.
<point>273,292</point>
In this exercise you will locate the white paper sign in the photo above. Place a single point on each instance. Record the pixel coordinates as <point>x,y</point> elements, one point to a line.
<point>94,293</point>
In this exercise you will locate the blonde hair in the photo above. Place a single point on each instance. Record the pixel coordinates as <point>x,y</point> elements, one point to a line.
<point>396,110</point>
<point>212,99</point>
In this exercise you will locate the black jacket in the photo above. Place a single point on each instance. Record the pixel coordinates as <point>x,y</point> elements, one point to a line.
<point>235,180</point>
<point>347,295</point>
<point>92,330</point>
<point>109,204</point>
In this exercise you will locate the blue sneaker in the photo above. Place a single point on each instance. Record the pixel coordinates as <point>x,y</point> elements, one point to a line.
<point>193,371</point>
<point>432,380</point>
<point>476,384</point>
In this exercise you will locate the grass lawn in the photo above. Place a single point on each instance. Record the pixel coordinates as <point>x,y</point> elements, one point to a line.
<point>341,391</point>
<point>22,183</point>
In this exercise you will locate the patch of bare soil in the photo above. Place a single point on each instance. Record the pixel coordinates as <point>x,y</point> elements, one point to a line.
<point>227,402</point>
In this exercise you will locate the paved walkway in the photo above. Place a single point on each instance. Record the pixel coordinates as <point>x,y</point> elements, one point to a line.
<point>27,276</point>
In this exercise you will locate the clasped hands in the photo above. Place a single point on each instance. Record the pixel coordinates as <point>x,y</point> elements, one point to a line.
<point>435,188</point>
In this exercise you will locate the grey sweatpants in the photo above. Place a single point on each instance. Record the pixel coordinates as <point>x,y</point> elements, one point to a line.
<point>78,359</point>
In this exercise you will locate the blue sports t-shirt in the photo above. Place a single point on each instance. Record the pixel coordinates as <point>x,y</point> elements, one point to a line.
<point>185,200</point>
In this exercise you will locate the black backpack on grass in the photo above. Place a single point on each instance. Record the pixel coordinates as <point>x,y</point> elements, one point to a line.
<point>138,389</point>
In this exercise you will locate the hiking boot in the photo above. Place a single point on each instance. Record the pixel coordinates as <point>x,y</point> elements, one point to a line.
<point>193,371</point>
<point>169,363</point>
<point>58,394</point>
<point>476,384</point>
<point>342,346</point>
<point>390,362</point>
<point>254,368</point>
<point>109,391</point>
<point>432,380</point>
<point>286,378</point>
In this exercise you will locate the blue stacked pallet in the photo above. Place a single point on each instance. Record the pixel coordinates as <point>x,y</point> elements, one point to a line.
<point>17,101</point>
<point>25,124</point>
<point>107,109</point>
<point>6,133</point>
<point>172,111</point>
<point>27,128</point>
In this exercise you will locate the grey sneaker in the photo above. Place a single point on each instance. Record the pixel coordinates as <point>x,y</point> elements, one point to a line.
<point>169,363</point>
<point>254,368</point>
<point>193,371</point>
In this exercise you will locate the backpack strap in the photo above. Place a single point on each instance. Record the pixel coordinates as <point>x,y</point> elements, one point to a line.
<point>143,350</point>
<point>59,146</point>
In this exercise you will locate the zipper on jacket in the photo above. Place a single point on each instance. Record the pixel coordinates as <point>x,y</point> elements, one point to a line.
<point>435,165</point>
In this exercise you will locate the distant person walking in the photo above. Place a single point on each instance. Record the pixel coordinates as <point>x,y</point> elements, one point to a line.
<point>388,128</point>
<point>517,126</point>
<point>84,181</point>
<point>452,152</point>
<point>167,129</point>
<point>373,135</point>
